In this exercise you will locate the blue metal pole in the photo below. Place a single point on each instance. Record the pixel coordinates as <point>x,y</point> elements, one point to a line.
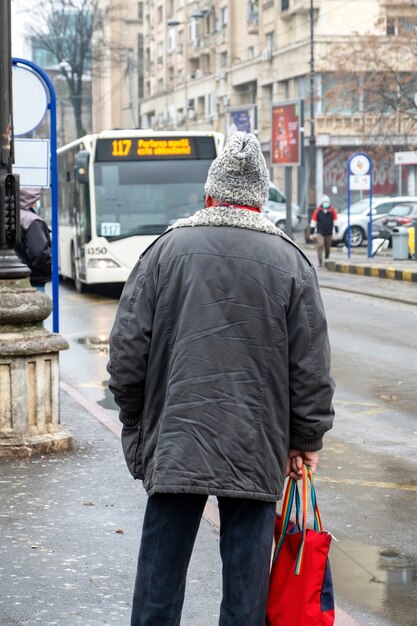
<point>54,187</point>
<point>348,204</point>
<point>370,212</point>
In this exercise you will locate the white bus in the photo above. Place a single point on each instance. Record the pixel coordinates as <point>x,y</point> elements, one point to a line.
<point>118,190</point>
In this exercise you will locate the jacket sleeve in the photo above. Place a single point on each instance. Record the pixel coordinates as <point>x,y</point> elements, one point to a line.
<point>38,247</point>
<point>130,340</point>
<point>311,385</point>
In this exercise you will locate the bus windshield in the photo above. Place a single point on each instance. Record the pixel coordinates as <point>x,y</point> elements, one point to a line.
<point>144,198</point>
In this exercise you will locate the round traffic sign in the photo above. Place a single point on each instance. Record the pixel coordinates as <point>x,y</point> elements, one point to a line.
<point>359,165</point>
<point>30,100</point>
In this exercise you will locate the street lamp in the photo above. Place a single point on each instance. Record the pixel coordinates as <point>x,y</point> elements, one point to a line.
<point>312,139</point>
<point>10,265</point>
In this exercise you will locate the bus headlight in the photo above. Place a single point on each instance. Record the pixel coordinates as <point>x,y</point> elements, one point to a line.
<point>101,264</point>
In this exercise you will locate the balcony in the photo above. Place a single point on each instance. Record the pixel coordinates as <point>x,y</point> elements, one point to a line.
<point>369,124</point>
<point>299,7</point>
<point>396,3</point>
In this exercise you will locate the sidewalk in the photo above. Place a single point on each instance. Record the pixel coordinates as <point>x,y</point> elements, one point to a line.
<point>380,266</point>
<point>70,527</point>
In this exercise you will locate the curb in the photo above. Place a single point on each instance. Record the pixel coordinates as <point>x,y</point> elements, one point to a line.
<point>371,270</point>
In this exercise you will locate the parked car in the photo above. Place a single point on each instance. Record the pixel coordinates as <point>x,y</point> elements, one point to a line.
<point>359,217</point>
<point>400,215</point>
<point>275,209</point>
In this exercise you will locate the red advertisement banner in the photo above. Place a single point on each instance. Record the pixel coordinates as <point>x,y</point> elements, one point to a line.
<point>286,133</point>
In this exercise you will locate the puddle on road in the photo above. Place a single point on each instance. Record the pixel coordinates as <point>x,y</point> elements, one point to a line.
<point>383,581</point>
<point>108,401</point>
<point>99,345</point>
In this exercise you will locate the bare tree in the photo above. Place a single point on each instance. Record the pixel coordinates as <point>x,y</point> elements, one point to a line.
<point>65,29</point>
<point>375,78</point>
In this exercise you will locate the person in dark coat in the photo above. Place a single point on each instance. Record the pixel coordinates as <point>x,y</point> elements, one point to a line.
<point>324,220</point>
<point>34,247</point>
<point>220,364</point>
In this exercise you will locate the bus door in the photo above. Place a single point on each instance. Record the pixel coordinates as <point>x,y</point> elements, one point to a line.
<point>81,214</point>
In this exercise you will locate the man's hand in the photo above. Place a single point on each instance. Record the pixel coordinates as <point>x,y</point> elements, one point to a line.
<point>295,461</point>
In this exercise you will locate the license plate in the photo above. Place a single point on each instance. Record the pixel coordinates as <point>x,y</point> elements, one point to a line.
<point>391,223</point>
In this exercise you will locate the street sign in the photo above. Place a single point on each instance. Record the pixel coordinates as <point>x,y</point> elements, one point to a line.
<point>30,100</point>
<point>406,158</point>
<point>32,162</point>
<point>360,183</point>
<point>358,166</point>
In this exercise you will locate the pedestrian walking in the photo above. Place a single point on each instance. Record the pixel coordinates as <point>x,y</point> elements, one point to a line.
<point>220,364</point>
<point>34,246</point>
<point>324,219</point>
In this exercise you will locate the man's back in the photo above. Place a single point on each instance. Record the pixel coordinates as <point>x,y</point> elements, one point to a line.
<point>230,310</point>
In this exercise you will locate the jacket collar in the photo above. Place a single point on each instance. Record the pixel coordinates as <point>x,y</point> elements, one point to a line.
<point>230,216</point>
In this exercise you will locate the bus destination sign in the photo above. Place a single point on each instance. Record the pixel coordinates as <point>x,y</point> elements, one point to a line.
<point>148,148</point>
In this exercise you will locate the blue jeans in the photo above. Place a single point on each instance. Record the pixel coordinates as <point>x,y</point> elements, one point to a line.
<point>169,530</point>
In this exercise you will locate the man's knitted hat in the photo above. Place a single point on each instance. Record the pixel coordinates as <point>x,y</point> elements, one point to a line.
<point>239,175</point>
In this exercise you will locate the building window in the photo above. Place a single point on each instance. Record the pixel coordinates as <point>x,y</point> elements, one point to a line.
<point>140,12</point>
<point>285,5</point>
<point>171,40</point>
<point>160,13</point>
<point>141,67</point>
<point>193,30</point>
<point>223,59</point>
<point>224,17</point>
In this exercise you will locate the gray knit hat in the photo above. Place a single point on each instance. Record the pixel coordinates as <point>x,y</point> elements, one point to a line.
<point>239,175</point>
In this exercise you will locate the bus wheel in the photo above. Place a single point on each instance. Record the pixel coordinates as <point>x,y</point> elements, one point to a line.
<point>79,286</point>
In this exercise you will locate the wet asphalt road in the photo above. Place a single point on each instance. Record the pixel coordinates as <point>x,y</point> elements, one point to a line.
<point>367,485</point>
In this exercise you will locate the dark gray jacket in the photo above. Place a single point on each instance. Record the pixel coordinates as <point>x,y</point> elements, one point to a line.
<point>219,358</point>
<point>34,247</point>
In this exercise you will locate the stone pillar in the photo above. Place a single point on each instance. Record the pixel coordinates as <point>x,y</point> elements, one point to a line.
<point>29,373</point>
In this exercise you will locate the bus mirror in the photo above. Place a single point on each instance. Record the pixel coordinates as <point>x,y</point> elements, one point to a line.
<point>81,165</point>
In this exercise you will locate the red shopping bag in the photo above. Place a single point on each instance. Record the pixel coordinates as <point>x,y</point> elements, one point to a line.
<point>300,587</point>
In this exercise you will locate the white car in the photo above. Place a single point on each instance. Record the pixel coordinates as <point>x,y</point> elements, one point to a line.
<point>359,217</point>
<point>275,209</point>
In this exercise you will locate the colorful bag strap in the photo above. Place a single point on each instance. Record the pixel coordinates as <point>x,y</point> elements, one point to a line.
<point>291,490</point>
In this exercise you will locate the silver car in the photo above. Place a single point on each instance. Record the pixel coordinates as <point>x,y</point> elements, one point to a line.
<point>275,209</point>
<point>359,218</point>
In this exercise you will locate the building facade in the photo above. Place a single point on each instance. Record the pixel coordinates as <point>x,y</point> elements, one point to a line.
<point>222,64</point>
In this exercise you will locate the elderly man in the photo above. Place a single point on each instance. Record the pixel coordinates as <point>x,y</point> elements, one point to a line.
<point>220,364</point>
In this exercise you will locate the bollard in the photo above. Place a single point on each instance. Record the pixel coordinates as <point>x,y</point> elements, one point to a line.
<point>29,373</point>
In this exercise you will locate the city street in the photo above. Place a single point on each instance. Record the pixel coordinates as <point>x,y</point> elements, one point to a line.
<point>71,521</point>
<point>366,481</point>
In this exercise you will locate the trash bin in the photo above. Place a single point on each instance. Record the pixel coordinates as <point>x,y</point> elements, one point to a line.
<point>400,243</point>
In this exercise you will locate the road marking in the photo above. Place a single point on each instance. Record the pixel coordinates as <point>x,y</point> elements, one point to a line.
<point>391,273</point>
<point>93,385</point>
<point>365,483</point>
<point>374,408</point>
<point>407,275</point>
